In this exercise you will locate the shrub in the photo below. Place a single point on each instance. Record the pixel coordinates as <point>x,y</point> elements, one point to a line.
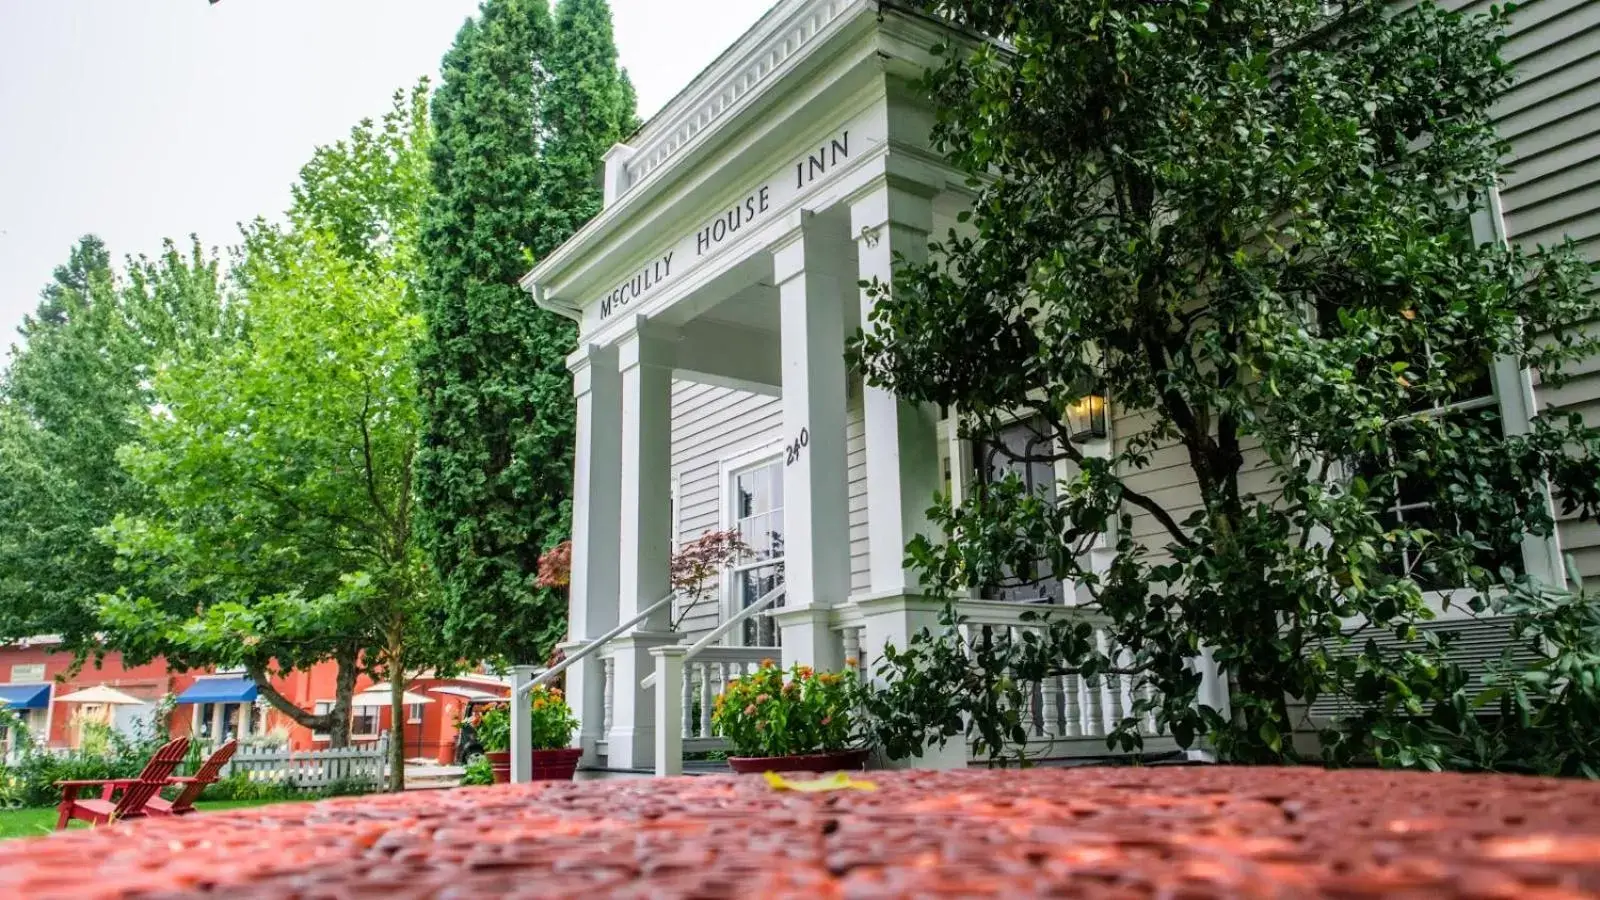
<point>763,715</point>
<point>478,772</point>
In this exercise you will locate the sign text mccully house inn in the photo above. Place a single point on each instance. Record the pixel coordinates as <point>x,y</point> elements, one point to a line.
<point>773,193</point>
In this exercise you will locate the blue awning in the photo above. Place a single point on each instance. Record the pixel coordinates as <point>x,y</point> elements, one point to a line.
<point>220,690</point>
<point>24,696</point>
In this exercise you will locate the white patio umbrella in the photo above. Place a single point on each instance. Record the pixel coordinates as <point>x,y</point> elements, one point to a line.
<point>101,693</point>
<point>379,696</point>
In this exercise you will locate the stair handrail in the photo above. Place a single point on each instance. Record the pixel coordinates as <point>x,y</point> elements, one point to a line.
<point>594,646</point>
<point>754,609</point>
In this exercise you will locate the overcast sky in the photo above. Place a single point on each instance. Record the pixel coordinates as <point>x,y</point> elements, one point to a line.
<point>143,119</point>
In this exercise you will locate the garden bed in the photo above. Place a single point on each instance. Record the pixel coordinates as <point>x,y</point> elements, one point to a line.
<point>1200,832</point>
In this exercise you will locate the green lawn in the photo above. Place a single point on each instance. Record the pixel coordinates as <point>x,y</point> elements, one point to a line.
<point>33,822</point>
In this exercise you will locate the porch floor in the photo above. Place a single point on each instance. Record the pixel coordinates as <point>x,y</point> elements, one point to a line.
<point>1106,832</point>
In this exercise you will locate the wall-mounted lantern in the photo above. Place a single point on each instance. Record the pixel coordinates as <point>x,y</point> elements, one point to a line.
<point>1086,417</point>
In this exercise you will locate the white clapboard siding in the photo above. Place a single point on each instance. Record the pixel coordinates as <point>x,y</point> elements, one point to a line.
<point>712,425</point>
<point>311,769</point>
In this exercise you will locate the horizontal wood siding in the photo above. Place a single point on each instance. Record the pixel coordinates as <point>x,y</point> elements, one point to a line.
<point>1551,119</point>
<point>712,425</point>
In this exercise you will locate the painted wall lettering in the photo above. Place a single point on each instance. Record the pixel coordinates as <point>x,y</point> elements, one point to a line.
<point>792,454</point>
<point>734,219</point>
<point>637,286</point>
<point>760,203</point>
<point>827,156</point>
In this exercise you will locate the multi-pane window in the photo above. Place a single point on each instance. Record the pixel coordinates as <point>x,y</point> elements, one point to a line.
<point>758,517</point>
<point>1414,503</point>
<point>1025,449</point>
<point>364,723</point>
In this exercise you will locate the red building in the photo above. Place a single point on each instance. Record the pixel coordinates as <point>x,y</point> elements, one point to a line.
<point>35,684</point>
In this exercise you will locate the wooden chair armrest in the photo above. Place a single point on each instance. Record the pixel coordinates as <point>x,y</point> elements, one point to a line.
<point>189,779</point>
<point>96,782</point>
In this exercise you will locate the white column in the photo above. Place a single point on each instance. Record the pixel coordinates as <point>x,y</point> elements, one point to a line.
<point>902,439</point>
<point>644,359</point>
<point>809,267</point>
<point>521,726</point>
<point>592,597</point>
<point>645,363</point>
<point>669,708</point>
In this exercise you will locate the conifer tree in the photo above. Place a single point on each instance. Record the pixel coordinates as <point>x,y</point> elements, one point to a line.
<point>524,111</point>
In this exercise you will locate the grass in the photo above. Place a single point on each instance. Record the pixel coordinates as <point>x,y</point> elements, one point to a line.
<point>17,823</point>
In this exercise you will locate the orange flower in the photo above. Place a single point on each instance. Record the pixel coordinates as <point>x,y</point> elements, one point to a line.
<point>851,662</point>
<point>805,671</point>
<point>750,710</point>
<point>762,698</point>
<point>768,663</point>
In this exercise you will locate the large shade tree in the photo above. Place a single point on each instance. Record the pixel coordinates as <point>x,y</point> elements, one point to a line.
<point>284,532</point>
<point>1249,222</point>
<point>525,110</point>
<point>74,391</point>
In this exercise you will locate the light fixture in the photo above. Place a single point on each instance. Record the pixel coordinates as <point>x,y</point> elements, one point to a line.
<point>1086,417</point>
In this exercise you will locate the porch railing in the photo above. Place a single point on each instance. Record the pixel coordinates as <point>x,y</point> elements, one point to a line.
<point>1067,716</point>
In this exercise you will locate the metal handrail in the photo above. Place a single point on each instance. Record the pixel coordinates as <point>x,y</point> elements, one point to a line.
<point>593,646</point>
<point>754,609</point>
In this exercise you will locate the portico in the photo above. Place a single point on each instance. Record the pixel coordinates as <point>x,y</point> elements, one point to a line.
<point>737,229</point>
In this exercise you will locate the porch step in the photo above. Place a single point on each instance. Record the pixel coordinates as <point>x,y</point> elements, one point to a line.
<point>690,767</point>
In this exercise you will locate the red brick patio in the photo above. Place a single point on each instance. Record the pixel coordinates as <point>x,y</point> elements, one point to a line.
<point>1155,832</point>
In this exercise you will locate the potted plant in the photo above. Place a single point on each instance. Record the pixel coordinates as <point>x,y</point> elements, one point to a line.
<point>551,724</point>
<point>492,724</point>
<point>550,727</point>
<point>803,723</point>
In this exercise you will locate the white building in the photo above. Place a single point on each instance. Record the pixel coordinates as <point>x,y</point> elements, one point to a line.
<point>714,295</point>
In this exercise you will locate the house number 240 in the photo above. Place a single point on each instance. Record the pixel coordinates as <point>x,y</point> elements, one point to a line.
<point>795,449</point>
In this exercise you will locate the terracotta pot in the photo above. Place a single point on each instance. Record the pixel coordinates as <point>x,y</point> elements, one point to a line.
<point>556,765</point>
<point>841,761</point>
<point>500,763</point>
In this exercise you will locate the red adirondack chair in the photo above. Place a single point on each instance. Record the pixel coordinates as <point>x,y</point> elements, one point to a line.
<point>193,785</point>
<point>136,792</point>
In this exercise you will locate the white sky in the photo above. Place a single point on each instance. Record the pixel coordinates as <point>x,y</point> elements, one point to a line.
<point>143,119</point>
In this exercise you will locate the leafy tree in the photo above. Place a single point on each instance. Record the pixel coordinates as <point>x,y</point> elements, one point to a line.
<point>74,393</point>
<point>283,466</point>
<point>523,113</point>
<point>1246,220</point>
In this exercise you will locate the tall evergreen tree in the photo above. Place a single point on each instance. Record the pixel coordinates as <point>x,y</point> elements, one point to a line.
<point>589,106</point>
<point>522,116</point>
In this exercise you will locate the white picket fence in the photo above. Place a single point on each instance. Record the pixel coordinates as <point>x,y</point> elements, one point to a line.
<point>312,769</point>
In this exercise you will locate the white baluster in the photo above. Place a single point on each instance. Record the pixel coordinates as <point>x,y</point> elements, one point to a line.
<point>1115,689</point>
<point>1096,695</point>
<point>852,647</point>
<point>1051,696</point>
<point>1072,709</point>
<point>687,704</point>
<point>714,684</point>
<point>703,672</point>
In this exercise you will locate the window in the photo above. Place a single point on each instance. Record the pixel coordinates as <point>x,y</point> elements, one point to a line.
<point>1025,449</point>
<point>28,673</point>
<point>414,714</point>
<point>364,722</point>
<point>757,495</point>
<point>321,708</point>
<point>1414,500</point>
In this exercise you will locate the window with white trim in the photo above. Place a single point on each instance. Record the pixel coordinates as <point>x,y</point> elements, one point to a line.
<point>1025,448</point>
<point>414,714</point>
<point>27,673</point>
<point>756,494</point>
<point>1415,501</point>
<point>364,722</point>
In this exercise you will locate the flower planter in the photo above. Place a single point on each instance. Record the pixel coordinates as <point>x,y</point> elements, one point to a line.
<point>556,765</point>
<point>841,761</point>
<point>500,764</point>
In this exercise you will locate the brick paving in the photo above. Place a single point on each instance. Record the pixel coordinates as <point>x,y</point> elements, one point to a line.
<point>1153,832</point>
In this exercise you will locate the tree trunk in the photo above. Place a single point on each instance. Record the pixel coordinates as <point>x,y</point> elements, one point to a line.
<point>397,724</point>
<point>336,721</point>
